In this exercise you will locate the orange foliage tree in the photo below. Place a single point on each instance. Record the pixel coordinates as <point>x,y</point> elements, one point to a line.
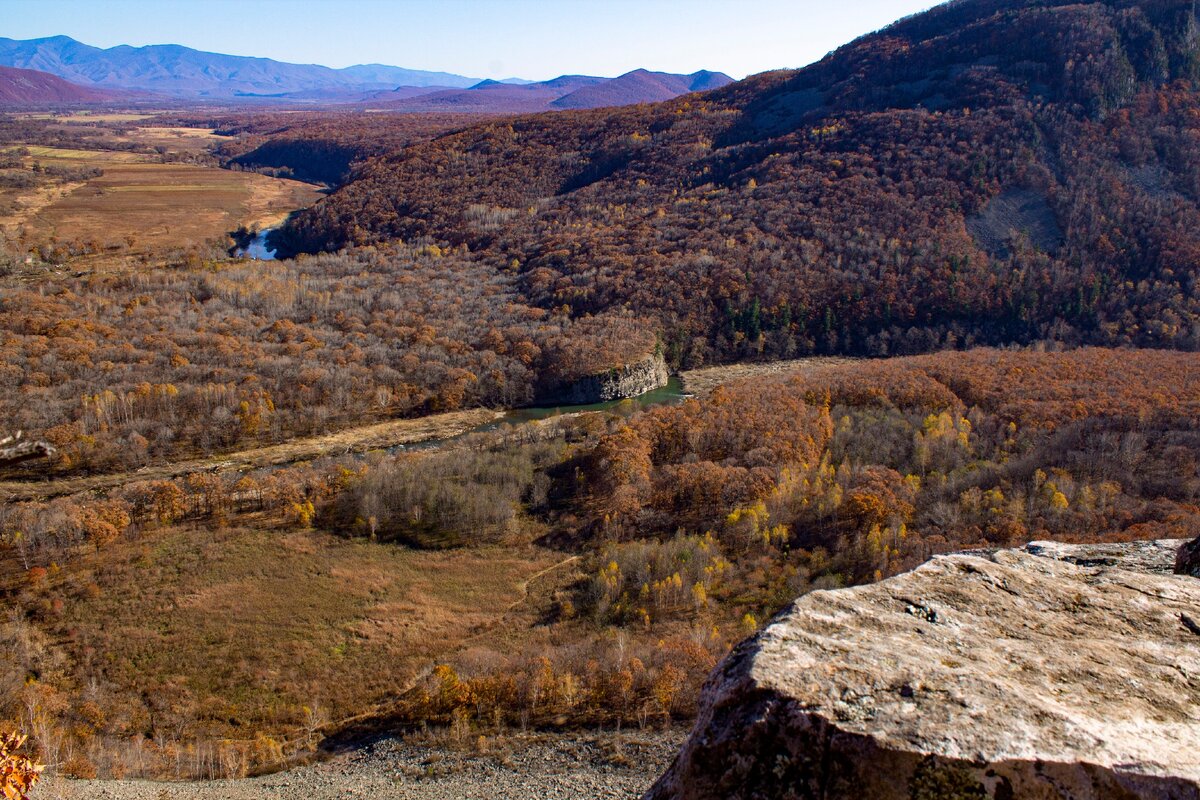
<point>18,773</point>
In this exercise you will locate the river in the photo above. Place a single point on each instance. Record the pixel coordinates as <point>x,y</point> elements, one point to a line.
<point>670,394</point>
<point>664,395</point>
<point>258,249</point>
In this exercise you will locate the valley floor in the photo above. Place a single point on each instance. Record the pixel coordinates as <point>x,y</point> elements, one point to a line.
<point>359,439</point>
<point>576,766</point>
<point>374,436</point>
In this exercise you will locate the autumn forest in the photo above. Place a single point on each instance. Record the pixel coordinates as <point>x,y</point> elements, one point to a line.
<point>947,277</point>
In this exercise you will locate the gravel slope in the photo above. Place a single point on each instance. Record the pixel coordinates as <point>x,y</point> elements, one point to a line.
<point>579,767</point>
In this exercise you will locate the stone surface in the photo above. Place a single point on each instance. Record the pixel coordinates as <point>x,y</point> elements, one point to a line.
<point>1051,671</point>
<point>1187,560</point>
<point>631,380</point>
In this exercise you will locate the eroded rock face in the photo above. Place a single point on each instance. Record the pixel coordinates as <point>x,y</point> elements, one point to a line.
<point>1187,560</point>
<point>1052,671</point>
<point>631,380</point>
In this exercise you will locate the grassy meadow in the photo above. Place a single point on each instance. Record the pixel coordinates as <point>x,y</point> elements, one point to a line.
<point>226,633</point>
<point>130,206</point>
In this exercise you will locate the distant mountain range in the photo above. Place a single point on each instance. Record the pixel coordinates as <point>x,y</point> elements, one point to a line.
<point>182,73</point>
<point>565,92</point>
<point>21,87</point>
<point>177,71</point>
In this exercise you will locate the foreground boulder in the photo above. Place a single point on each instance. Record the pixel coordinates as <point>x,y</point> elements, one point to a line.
<point>1187,560</point>
<point>1052,671</point>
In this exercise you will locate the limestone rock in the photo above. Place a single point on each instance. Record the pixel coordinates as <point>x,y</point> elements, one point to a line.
<point>1051,671</point>
<point>1187,560</point>
<point>631,380</point>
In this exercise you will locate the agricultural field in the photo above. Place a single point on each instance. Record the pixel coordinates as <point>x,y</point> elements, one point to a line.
<point>142,193</point>
<point>85,116</point>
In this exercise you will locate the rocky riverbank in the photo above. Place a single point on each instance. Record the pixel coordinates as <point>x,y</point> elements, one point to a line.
<point>641,376</point>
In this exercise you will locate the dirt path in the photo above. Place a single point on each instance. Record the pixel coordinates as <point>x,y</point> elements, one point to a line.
<point>702,381</point>
<point>30,204</point>
<point>352,440</point>
<point>525,583</point>
<point>698,382</point>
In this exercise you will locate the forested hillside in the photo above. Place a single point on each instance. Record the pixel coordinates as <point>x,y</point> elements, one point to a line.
<point>989,171</point>
<point>125,370</point>
<point>321,147</point>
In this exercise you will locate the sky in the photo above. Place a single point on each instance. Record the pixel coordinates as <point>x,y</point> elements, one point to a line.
<point>532,39</point>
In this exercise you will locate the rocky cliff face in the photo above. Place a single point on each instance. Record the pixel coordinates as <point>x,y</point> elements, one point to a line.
<point>1051,671</point>
<point>641,376</point>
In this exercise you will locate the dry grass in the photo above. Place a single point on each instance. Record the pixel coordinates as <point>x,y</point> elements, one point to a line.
<point>18,206</point>
<point>184,140</point>
<point>93,116</point>
<point>73,157</point>
<point>156,206</point>
<point>164,206</point>
<point>238,630</point>
<point>142,208</point>
<point>702,381</point>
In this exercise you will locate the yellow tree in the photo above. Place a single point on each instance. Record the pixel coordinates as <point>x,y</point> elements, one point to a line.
<point>18,773</point>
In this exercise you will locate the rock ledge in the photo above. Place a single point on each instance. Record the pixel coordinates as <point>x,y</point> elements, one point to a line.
<point>1052,671</point>
<point>644,375</point>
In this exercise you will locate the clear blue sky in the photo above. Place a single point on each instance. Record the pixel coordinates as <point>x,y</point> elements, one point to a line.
<point>535,39</point>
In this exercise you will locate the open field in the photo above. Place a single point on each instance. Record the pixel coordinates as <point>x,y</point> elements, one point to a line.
<point>221,630</point>
<point>73,156</point>
<point>352,440</point>
<point>703,381</point>
<point>140,207</point>
<point>167,205</point>
<point>174,139</point>
<point>90,116</point>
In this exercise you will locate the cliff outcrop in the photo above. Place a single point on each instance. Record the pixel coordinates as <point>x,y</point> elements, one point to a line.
<point>638,377</point>
<point>1050,671</point>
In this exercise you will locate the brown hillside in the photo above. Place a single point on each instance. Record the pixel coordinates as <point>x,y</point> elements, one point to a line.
<point>30,87</point>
